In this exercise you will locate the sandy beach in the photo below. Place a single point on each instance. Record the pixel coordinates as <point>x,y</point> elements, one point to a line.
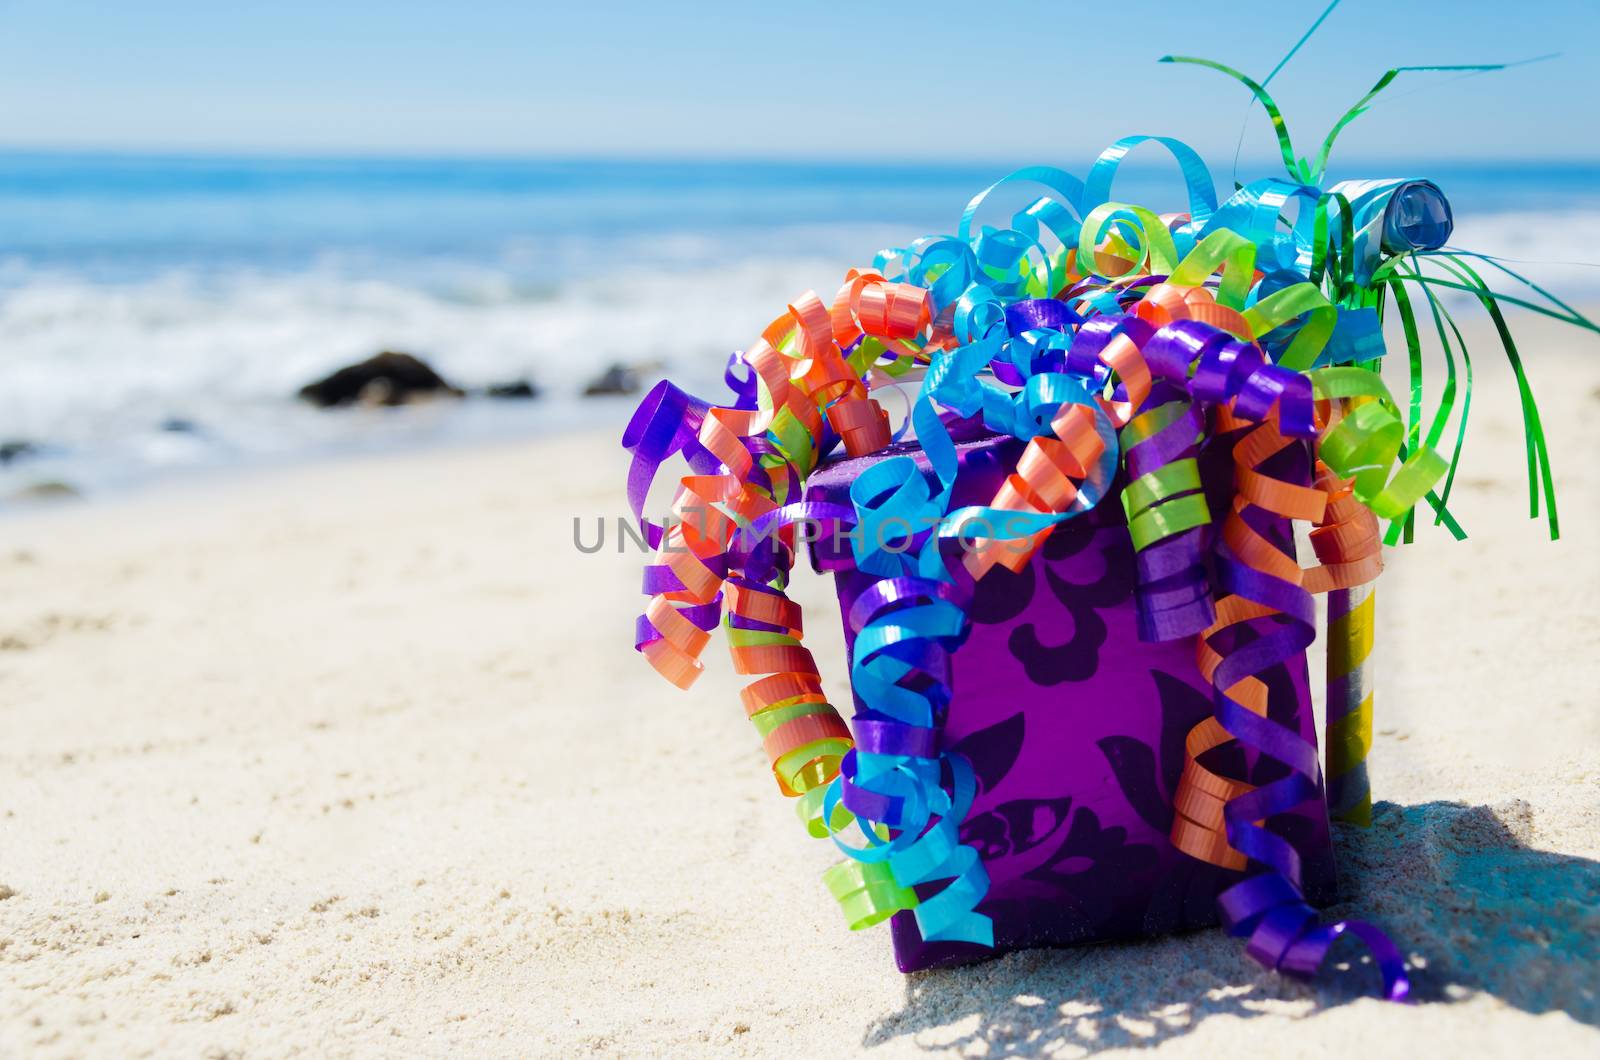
<point>356,759</point>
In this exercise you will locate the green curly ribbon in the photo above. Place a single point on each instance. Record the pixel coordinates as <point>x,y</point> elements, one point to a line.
<point>1367,442</point>
<point>867,892</point>
<point>1228,251</point>
<point>1155,245</point>
<point>1296,300</point>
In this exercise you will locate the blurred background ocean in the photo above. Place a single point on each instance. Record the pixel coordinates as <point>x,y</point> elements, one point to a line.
<point>204,207</point>
<point>159,312</point>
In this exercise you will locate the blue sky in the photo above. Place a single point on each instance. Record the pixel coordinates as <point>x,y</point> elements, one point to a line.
<point>825,80</point>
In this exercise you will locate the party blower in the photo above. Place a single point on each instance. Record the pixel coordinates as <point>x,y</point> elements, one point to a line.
<point>1077,623</point>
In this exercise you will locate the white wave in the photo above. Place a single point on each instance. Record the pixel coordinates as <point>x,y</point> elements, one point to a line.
<point>1558,251</point>
<point>90,368</point>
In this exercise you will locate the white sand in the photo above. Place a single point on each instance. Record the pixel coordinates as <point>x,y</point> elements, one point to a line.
<point>357,760</point>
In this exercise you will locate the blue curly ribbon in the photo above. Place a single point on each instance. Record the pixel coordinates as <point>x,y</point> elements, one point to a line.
<point>906,628</point>
<point>907,624</point>
<point>1197,180</point>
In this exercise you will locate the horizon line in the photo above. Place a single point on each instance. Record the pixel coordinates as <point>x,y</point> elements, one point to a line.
<point>290,154</point>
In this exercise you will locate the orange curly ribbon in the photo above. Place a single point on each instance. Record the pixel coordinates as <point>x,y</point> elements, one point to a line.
<point>1348,545</point>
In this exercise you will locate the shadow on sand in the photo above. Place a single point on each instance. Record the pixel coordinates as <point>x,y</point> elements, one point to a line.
<point>1474,908</point>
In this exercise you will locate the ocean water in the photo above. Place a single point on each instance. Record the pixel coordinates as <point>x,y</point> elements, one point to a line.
<point>135,291</point>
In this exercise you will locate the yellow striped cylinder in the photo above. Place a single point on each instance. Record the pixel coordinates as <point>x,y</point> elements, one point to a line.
<point>1349,726</point>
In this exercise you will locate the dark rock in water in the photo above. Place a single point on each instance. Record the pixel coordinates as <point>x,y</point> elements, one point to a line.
<point>49,490</point>
<point>388,379</point>
<point>618,379</point>
<point>519,388</point>
<point>179,425</point>
<point>16,449</point>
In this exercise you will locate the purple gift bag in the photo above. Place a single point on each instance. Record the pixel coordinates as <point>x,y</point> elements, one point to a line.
<point>1075,730</point>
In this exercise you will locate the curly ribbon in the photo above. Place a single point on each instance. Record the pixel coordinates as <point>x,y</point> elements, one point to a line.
<point>690,562</point>
<point>1365,443</point>
<point>1218,819</point>
<point>1045,482</point>
<point>749,459</point>
<point>867,307</point>
<point>1224,370</point>
<point>1284,932</point>
<point>905,629</point>
<point>804,737</point>
<point>1201,792</point>
<point>748,456</point>
<point>1110,333</point>
<point>799,375</point>
<point>907,624</point>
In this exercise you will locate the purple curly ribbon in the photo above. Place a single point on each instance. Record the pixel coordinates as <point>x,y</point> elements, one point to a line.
<point>1269,908</point>
<point>667,423</point>
<point>757,550</point>
<point>1200,365</point>
<point>1190,359</point>
<point>1173,590</point>
<point>1036,314</point>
